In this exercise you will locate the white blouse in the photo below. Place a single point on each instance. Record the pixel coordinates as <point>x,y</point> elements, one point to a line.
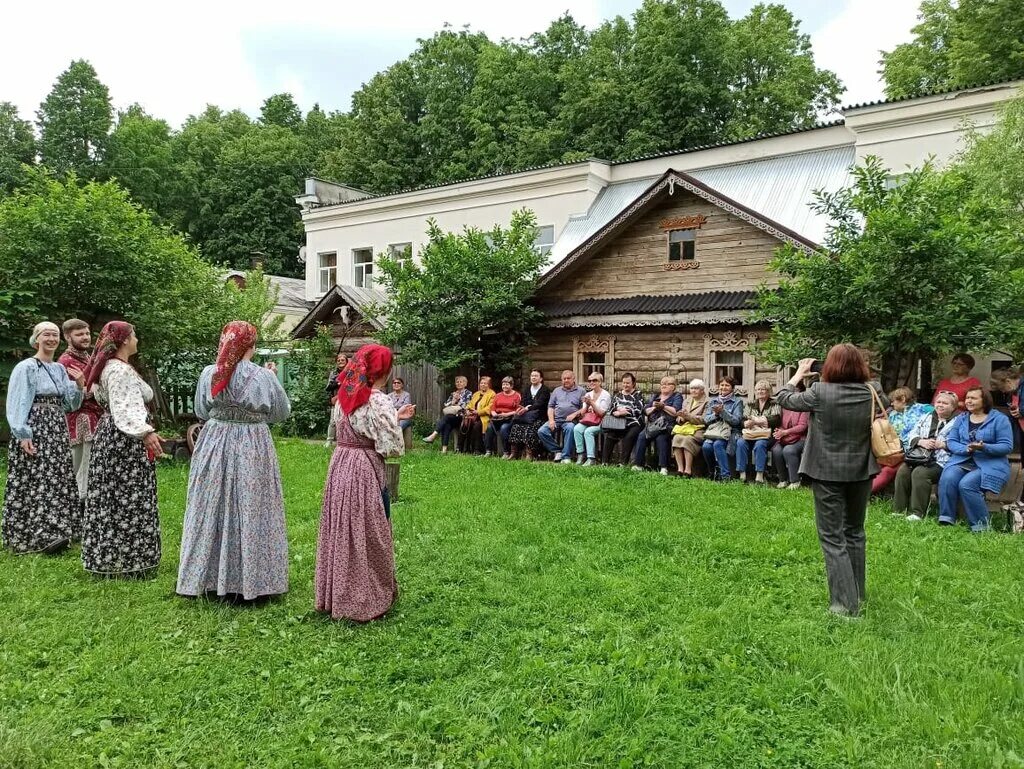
<point>125,395</point>
<point>376,420</point>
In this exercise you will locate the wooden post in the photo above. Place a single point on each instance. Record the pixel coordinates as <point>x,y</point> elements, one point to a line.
<point>391,470</point>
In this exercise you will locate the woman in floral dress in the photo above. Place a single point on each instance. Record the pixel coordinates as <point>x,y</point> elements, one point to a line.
<point>355,559</point>
<point>234,542</point>
<point>40,512</point>
<point>121,531</point>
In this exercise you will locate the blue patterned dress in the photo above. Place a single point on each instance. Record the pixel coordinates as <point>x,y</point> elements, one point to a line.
<point>234,540</point>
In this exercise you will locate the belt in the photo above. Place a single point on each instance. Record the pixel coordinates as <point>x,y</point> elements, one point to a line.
<point>348,445</point>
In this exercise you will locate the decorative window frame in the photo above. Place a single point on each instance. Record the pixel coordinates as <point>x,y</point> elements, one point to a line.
<point>730,341</point>
<point>597,344</point>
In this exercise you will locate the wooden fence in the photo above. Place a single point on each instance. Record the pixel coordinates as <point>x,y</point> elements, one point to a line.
<point>421,383</point>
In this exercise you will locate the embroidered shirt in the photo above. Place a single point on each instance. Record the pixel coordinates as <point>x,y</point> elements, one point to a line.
<point>125,395</point>
<point>29,379</point>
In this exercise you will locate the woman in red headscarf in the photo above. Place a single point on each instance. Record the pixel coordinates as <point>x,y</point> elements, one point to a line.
<point>121,527</point>
<point>233,543</point>
<point>355,559</point>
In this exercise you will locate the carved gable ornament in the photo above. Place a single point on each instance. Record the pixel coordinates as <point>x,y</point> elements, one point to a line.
<point>683,222</point>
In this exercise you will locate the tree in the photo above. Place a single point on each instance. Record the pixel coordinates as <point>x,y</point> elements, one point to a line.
<point>281,110</point>
<point>467,299</point>
<point>995,160</point>
<point>17,147</point>
<point>71,250</point>
<point>775,84</point>
<point>139,157</point>
<point>957,45</point>
<point>910,271</point>
<point>74,122</point>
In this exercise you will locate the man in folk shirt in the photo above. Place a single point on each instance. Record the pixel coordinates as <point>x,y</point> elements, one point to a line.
<point>81,423</point>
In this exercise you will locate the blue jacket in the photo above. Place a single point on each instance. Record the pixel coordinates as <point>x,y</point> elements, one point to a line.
<point>732,413</point>
<point>997,435</point>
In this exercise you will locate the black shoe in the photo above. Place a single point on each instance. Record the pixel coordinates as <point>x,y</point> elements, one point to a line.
<point>57,546</point>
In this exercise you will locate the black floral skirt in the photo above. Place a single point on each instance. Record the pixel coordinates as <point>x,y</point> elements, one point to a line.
<point>41,502</point>
<point>121,529</point>
<point>526,435</point>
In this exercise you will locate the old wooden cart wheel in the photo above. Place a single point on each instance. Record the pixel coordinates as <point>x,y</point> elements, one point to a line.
<point>192,435</point>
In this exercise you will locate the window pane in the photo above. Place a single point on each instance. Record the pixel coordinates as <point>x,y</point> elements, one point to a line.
<point>329,259</point>
<point>689,250</point>
<point>673,252</point>
<point>680,236</point>
<point>400,251</point>
<point>362,255</point>
<point>545,239</point>
<point>730,357</point>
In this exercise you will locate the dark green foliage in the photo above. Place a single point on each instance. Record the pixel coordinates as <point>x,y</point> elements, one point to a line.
<point>17,147</point>
<point>74,123</point>
<point>311,360</point>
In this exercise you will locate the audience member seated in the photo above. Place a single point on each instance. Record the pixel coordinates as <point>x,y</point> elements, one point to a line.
<point>477,418</point>
<point>595,404</point>
<point>979,443</point>
<point>790,438</point>
<point>628,406</point>
<point>904,414</point>
<point>503,410</point>
<point>925,459</point>
<point>1010,382</point>
<point>688,434</point>
<point>723,419</point>
<point>451,413</point>
<point>960,381</point>
<point>761,415</point>
<point>529,417</point>
<point>564,407</point>
<point>660,416</point>
<point>400,397</point>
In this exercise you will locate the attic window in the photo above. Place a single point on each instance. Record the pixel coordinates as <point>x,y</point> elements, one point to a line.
<point>682,246</point>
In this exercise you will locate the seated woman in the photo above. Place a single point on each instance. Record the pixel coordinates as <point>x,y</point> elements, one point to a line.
<point>400,397</point>
<point>761,415</point>
<point>790,438</point>
<point>904,414</point>
<point>960,381</point>
<point>978,444</point>
<point>660,416</point>
<point>628,405</point>
<point>503,410</point>
<point>585,432</point>
<point>1011,383</point>
<point>477,418</point>
<point>723,418</point>
<point>530,415</point>
<point>451,413</point>
<point>688,434</point>
<point>926,458</point>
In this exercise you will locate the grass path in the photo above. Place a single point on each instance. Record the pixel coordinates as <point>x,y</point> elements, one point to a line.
<point>549,617</point>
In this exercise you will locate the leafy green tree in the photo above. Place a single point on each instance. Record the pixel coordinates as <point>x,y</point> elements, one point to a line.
<point>775,84</point>
<point>74,122</point>
<point>312,360</point>
<point>281,110</point>
<point>88,251</point>
<point>139,157</point>
<point>955,45</point>
<point>17,147</point>
<point>467,300</point>
<point>910,271</point>
<point>322,134</point>
<point>253,188</point>
<point>995,160</point>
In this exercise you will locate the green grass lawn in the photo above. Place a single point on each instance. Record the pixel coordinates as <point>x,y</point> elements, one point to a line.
<point>549,617</point>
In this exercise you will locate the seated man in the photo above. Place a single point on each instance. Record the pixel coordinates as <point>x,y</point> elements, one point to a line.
<point>925,458</point>
<point>564,407</point>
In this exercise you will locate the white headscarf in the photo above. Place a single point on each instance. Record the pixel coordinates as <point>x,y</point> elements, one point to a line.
<point>33,340</point>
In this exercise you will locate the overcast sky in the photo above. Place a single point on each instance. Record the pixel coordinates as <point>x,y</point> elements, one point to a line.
<point>174,58</point>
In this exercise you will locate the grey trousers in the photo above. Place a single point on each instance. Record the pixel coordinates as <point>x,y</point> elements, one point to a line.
<point>914,488</point>
<point>839,512</point>
<point>80,461</point>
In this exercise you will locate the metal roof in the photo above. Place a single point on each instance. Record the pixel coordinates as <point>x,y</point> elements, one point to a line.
<point>934,92</point>
<point>779,188</point>
<point>707,301</point>
<point>291,292</point>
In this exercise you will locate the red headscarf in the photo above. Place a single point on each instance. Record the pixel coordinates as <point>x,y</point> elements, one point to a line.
<point>236,338</point>
<point>370,363</point>
<point>112,337</point>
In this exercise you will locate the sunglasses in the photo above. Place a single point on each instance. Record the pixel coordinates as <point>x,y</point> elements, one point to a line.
<point>593,380</point>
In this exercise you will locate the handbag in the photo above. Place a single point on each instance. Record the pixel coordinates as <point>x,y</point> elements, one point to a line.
<point>450,411</point>
<point>918,456</point>
<point>885,443</point>
<point>590,419</point>
<point>656,428</point>
<point>468,420</point>
<point>756,433</point>
<point>687,428</point>
<point>612,422</point>
<point>718,431</point>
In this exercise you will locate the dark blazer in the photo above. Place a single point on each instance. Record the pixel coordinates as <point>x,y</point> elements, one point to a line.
<point>838,445</point>
<point>536,407</point>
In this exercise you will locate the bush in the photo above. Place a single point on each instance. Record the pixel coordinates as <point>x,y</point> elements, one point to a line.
<point>311,360</point>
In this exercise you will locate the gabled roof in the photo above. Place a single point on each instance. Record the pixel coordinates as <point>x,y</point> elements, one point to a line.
<point>341,296</point>
<point>662,188</point>
<point>704,301</point>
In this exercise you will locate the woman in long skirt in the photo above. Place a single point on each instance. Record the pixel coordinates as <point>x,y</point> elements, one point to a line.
<point>121,530</point>
<point>234,542</point>
<point>40,512</point>
<point>355,559</point>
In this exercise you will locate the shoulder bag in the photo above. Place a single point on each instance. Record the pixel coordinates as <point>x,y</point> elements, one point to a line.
<point>885,443</point>
<point>718,431</point>
<point>919,456</point>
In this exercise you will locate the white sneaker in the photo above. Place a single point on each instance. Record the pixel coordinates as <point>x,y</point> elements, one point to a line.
<point>664,471</point>
<point>589,463</point>
<point>487,453</point>
<point>581,459</point>
<point>637,468</point>
<point>567,461</point>
<point>759,478</point>
<point>428,439</point>
<point>558,457</point>
<point>913,517</point>
<point>783,485</point>
<point>795,485</point>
